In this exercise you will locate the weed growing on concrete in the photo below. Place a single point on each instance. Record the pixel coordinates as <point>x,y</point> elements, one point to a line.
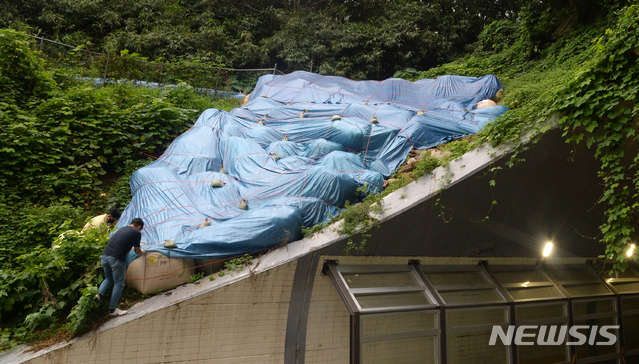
<point>196,277</point>
<point>237,264</point>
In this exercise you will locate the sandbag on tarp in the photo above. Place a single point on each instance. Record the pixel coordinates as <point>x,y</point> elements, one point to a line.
<point>313,210</point>
<point>352,165</point>
<point>291,157</point>
<point>315,149</point>
<point>155,272</point>
<point>239,236</point>
<point>319,148</point>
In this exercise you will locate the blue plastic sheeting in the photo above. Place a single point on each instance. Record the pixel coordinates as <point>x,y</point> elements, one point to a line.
<point>301,147</point>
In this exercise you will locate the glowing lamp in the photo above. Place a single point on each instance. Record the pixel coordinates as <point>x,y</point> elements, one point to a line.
<point>631,250</point>
<point>547,249</point>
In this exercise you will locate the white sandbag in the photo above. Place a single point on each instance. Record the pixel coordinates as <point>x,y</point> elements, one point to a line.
<point>486,103</point>
<point>155,272</point>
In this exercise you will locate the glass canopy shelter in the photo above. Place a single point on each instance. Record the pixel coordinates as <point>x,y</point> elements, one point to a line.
<point>445,314</point>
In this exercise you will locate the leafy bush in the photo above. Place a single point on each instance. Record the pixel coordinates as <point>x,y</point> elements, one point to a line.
<point>21,76</point>
<point>584,74</point>
<point>120,190</point>
<point>47,283</point>
<point>600,104</point>
<point>25,226</point>
<point>498,36</point>
<point>68,150</point>
<point>75,136</point>
<point>366,39</point>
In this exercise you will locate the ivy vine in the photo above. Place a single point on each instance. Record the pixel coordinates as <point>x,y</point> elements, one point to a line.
<point>600,106</point>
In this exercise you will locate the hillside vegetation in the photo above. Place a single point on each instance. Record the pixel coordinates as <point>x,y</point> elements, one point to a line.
<point>586,80</point>
<point>67,150</point>
<point>366,39</point>
<point>67,147</point>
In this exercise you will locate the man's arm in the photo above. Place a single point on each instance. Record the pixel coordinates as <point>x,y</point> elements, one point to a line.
<point>138,250</point>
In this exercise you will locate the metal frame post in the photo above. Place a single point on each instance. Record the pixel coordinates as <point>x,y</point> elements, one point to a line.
<point>106,69</point>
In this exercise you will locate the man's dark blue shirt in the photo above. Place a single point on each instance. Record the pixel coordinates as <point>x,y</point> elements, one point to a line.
<point>121,242</point>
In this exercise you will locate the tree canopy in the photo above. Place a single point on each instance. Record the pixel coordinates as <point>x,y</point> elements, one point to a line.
<point>358,39</point>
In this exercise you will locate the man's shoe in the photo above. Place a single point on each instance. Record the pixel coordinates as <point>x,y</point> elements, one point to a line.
<point>118,312</point>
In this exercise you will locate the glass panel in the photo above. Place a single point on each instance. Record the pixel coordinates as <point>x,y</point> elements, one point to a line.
<point>629,303</point>
<point>517,281</point>
<point>617,280</point>
<point>628,273</point>
<point>368,280</point>
<point>631,331</point>
<point>392,300</point>
<point>587,290</point>
<point>457,278</point>
<point>589,307</point>
<point>573,273</point>
<point>534,293</point>
<point>537,354</point>
<point>392,324</point>
<point>473,348</point>
<point>528,313</point>
<point>456,318</point>
<point>627,287</point>
<point>512,275</point>
<point>415,350</point>
<point>476,296</point>
<point>586,350</point>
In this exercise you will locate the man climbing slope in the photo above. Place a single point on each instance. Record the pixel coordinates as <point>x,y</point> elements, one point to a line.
<point>114,262</point>
<point>107,220</point>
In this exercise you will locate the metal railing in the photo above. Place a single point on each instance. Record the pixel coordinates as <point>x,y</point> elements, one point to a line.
<point>106,68</point>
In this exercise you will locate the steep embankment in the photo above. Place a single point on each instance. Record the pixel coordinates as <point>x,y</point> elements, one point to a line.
<point>583,73</point>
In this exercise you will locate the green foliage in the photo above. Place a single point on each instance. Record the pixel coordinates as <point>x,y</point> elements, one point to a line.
<point>5,339</point>
<point>120,190</point>
<point>408,34</point>
<point>196,277</point>
<point>310,231</point>
<point>226,104</point>
<point>552,67</point>
<point>24,226</point>
<point>237,264</point>
<point>50,284</point>
<point>600,104</point>
<point>84,311</point>
<point>498,36</point>
<point>200,71</point>
<point>544,22</point>
<point>21,76</point>
<point>68,150</point>
<point>364,39</point>
<point>73,137</point>
<point>360,218</point>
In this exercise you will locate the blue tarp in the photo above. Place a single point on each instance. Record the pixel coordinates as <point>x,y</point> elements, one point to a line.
<point>294,154</point>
